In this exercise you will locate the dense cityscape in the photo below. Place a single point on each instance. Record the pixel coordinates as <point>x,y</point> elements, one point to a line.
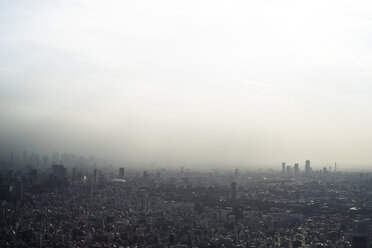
<point>70,201</point>
<point>185,124</point>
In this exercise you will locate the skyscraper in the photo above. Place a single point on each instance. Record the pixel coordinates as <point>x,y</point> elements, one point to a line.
<point>296,170</point>
<point>233,191</point>
<point>283,168</point>
<point>307,167</point>
<point>121,172</point>
<point>288,171</point>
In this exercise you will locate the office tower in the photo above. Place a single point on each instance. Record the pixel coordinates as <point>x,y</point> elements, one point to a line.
<point>283,168</point>
<point>236,172</point>
<point>121,172</point>
<point>233,191</point>
<point>307,167</point>
<point>335,167</point>
<point>288,171</point>
<point>296,170</point>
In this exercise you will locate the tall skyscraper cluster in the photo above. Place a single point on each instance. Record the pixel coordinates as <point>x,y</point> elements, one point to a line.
<point>288,171</point>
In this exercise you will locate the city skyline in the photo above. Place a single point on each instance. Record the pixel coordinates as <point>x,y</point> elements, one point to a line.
<point>180,124</point>
<point>18,159</point>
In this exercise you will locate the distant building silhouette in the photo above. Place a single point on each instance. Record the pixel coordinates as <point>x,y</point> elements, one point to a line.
<point>307,167</point>
<point>121,172</point>
<point>296,170</point>
<point>288,171</point>
<point>233,191</point>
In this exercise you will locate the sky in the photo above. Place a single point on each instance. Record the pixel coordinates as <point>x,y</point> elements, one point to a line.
<point>189,83</point>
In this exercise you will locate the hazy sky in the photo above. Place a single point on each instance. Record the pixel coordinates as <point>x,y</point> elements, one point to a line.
<point>189,82</point>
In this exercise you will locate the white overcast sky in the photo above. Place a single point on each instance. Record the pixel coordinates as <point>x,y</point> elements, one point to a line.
<point>189,82</point>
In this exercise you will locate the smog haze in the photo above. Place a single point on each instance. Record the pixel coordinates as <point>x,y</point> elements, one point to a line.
<point>197,83</point>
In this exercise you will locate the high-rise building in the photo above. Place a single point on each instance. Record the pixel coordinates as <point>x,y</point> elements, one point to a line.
<point>307,167</point>
<point>283,168</point>
<point>233,191</point>
<point>121,172</point>
<point>296,170</point>
<point>288,171</point>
